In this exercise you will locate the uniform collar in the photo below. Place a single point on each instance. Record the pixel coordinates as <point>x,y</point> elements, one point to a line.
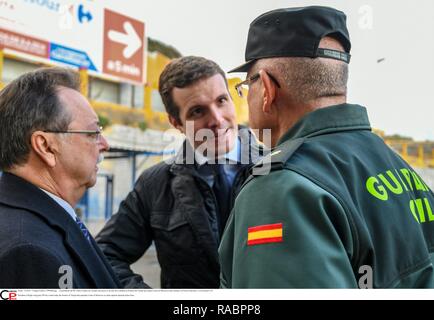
<point>336,118</point>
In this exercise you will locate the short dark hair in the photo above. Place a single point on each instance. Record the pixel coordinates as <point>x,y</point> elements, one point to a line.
<point>181,73</point>
<point>31,103</point>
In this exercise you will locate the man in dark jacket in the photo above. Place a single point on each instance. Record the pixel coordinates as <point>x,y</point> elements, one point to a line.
<point>183,205</point>
<point>50,143</point>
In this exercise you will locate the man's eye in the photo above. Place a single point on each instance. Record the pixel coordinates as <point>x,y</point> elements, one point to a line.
<point>196,112</point>
<point>223,100</point>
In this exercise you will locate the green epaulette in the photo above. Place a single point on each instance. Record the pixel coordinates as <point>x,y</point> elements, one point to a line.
<point>275,160</point>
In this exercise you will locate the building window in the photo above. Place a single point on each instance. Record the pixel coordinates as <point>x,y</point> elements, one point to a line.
<point>12,69</point>
<point>132,95</point>
<point>103,90</point>
<point>124,94</point>
<point>156,102</point>
<point>139,97</point>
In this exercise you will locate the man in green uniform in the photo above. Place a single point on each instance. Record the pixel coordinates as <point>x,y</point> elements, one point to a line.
<point>339,208</point>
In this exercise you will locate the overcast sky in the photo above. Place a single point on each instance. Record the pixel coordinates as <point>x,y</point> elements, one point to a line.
<point>398,91</point>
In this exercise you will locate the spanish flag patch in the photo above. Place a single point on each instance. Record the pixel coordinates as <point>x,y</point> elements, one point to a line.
<point>268,233</point>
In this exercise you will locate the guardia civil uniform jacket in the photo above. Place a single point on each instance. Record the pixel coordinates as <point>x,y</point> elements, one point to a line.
<point>338,209</point>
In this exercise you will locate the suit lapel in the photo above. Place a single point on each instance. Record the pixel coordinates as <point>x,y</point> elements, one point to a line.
<point>17,192</point>
<point>91,258</point>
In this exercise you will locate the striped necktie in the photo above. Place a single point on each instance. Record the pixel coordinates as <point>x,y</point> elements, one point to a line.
<point>222,192</point>
<point>83,228</point>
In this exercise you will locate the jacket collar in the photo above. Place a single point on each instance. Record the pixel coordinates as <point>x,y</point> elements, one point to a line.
<point>19,193</point>
<point>336,118</point>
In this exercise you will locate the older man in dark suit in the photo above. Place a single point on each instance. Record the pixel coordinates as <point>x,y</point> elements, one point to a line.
<point>50,143</point>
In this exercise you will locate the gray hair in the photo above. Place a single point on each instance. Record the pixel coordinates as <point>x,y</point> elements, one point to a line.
<point>30,103</point>
<point>310,79</point>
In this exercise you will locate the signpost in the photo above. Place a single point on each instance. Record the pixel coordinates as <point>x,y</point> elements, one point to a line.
<point>76,33</point>
<point>123,46</point>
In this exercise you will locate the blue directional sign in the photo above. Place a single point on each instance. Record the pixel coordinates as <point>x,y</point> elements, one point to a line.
<point>71,56</point>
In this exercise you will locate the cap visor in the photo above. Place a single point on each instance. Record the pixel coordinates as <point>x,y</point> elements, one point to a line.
<point>243,68</point>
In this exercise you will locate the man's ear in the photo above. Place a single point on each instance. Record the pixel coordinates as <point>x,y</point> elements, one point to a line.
<point>45,147</point>
<point>176,123</point>
<point>268,93</point>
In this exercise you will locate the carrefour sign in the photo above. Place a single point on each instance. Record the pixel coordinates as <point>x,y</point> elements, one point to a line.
<point>75,33</point>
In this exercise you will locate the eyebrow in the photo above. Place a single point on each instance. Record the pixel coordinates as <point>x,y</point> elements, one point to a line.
<point>223,95</point>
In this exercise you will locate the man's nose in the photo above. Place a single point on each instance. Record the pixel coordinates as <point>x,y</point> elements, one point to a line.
<point>216,117</point>
<point>104,146</point>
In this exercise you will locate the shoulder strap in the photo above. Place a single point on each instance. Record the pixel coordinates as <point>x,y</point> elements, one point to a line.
<point>275,160</point>
<point>282,153</point>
